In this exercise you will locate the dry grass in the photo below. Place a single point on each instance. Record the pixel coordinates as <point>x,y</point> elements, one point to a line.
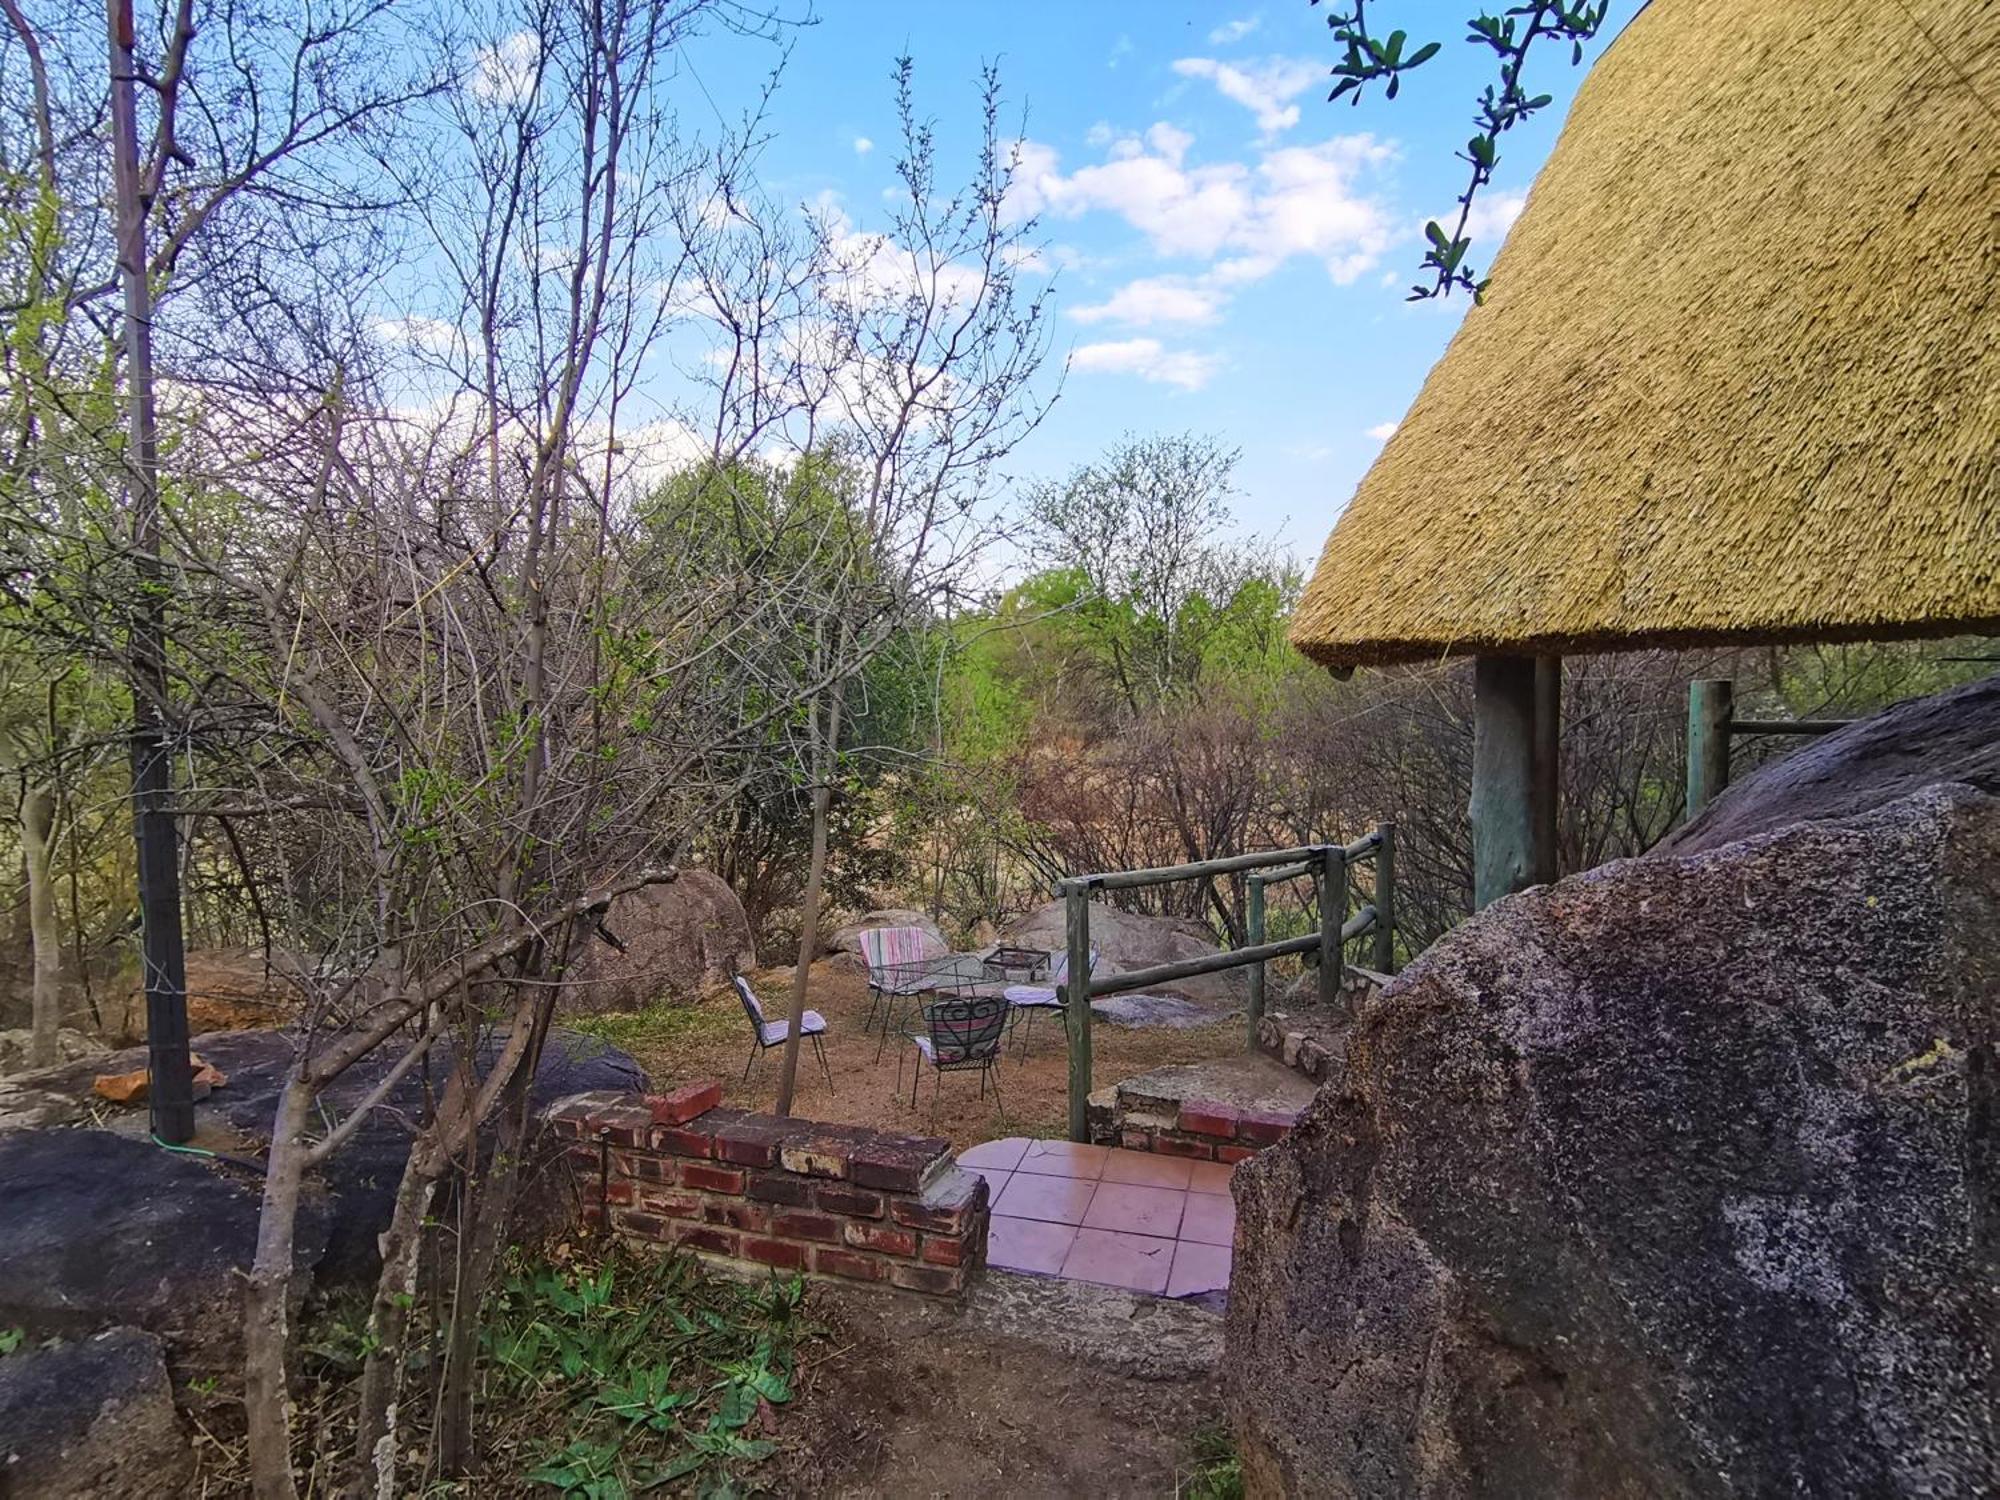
<point>711,1039</point>
<point>1736,378</point>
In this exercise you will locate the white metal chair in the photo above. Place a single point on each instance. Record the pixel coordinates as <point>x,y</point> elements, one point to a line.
<point>769,1034</point>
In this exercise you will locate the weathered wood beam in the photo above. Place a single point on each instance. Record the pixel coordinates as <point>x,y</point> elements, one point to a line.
<point>1548,765</point>
<point>1076,1001</point>
<point>1503,779</point>
<point>1711,704</point>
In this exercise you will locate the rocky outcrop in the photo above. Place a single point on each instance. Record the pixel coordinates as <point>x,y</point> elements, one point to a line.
<point>91,1419</point>
<point>97,1227</point>
<point>1948,737</point>
<point>1127,940</point>
<point>679,940</point>
<point>1676,1178</point>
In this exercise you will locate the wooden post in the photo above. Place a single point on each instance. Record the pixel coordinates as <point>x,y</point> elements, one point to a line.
<point>1332,916</point>
<point>1711,705</point>
<point>1256,894</point>
<point>1548,765</point>
<point>1503,780</point>
<point>1385,899</point>
<point>1076,1000</point>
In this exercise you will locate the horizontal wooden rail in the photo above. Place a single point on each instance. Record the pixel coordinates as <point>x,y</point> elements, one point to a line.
<point>1125,880</point>
<point>1787,726</point>
<point>1215,963</point>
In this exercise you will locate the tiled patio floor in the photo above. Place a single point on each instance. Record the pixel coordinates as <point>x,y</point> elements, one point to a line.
<point>1093,1213</point>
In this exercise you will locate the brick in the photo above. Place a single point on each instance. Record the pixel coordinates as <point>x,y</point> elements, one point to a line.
<point>751,1140</point>
<point>623,1124</point>
<point>897,1163</point>
<point>837,1198</point>
<point>1231,1155</point>
<point>706,1237</point>
<point>1207,1117</point>
<point>800,1226</point>
<point>685,1102</point>
<point>936,1280</point>
<point>638,1221</point>
<point>1184,1145</point>
<point>648,1168</point>
<point>944,1250</point>
<point>751,1216</point>
<point>586,1156</point>
<point>951,1202</point>
<point>780,1187</point>
<point>1266,1126</point>
<point>617,1191</point>
<point>684,1140</point>
<point>696,1174</point>
<point>831,1262</point>
<point>880,1238</point>
<point>1136,1140</point>
<point>571,1117</point>
<point>592,1214</point>
<point>779,1253</point>
<point>674,1205</point>
<point>821,1150</point>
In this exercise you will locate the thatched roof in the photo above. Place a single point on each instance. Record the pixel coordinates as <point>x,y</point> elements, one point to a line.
<point>1738,374</point>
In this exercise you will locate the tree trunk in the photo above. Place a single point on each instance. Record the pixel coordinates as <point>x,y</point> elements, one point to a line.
<point>823,759</point>
<point>267,1302</point>
<point>38,815</point>
<point>388,1317</point>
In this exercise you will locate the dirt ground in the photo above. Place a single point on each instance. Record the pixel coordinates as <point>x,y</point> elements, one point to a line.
<point>1035,1388</point>
<point>712,1039</point>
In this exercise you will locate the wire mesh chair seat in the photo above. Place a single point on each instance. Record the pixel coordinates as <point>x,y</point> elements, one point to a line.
<point>958,1036</point>
<point>768,1033</point>
<point>1032,998</point>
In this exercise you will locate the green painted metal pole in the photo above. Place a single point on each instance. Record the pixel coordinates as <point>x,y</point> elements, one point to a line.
<point>1385,900</point>
<point>1257,969</point>
<point>1711,705</point>
<point>1076,999</point>
<point>1332,914</point>
<point>1503,778</point>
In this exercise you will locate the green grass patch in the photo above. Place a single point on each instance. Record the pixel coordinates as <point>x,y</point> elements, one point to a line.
<point>1214,1470</point>
<point>663,1029</point>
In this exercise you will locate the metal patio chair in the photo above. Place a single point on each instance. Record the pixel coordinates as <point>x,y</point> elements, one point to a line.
<point>958,1035</point>
<point>769,1034</point>
<point>1031,998</point>
<point>898,960</point>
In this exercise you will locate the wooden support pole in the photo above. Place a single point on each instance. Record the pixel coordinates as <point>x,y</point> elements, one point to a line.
<point>1548,765</point>
<point>1503,781</point>
<point>1385,900</point>
<point>1076,1000</point>
<point>1711,705</point>
<point>1332,914</point>
<point>1256,936</point>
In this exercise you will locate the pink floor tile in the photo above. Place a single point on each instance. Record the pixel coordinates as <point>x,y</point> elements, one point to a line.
<point>1055,1200</point>
<point>995,1182</point>
<point>1146,1169</point>
<point>1028,1245</point>
<point>1210,1219</point>
<point>1137,1262</point>
<point>1135,1209</point>
<point>1209,1176</point>
<point>1064,1159</point>
<point>1197,1268</point>
<point>998,1156</point>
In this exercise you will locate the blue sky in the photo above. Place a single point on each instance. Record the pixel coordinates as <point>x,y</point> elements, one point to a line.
<point>1234,251</point>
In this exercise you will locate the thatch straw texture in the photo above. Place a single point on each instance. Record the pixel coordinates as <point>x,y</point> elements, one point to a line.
<point>1738,374</point>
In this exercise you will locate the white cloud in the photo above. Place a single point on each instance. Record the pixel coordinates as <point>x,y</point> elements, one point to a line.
<point>1295,201</point>
<point>504,74</point>
<point>862,145</point>
<point>1266,89</point>
<point>1156,299</point>
<point>1383,431</point>
<point>1149,360</point>
<point>431,335</point>
<point>1234,31</point>
<point>1493,214</point>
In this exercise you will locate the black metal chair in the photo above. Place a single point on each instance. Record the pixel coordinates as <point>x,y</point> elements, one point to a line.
<point>959,1035</point>
<point>769,1034</point>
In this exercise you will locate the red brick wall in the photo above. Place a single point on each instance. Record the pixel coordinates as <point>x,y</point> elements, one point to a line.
<point>762,1191</point>
<point>1205,1129</point>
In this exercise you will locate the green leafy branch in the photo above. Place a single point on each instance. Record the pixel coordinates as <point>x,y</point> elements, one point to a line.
<point>1502,106</point>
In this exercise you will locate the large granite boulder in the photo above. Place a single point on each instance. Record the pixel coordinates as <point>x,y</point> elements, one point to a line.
<point>680,940</point>
<point>1127,940</point>
<point>91,1419</point>
<point>1948,737</point>
<point>1677,1178</point>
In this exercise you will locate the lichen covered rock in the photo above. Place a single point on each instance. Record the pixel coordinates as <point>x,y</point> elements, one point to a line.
<point>1678,1177</point>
